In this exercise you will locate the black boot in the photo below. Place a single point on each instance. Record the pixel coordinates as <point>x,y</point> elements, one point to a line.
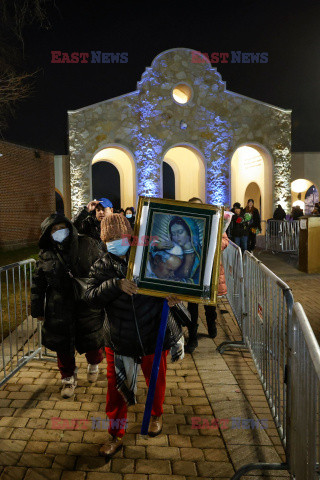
<point>212,328</point>
<point>211,316</point>
<point>192,340</point>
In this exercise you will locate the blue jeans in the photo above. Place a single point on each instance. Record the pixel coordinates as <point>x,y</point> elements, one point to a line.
<point>242,242</point>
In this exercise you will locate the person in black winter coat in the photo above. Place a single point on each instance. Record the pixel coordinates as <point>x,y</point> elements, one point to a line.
<point>279,213</point>
<point>132,327</point>
<point>255,224</point>
<point>239,228</point>
<point>88,220</point>
<point>68,324</point>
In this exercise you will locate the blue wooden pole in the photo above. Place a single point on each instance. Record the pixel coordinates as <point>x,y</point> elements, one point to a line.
<point>155,369</point>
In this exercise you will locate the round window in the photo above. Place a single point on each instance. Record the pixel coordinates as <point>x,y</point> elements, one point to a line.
<point>182,93</point>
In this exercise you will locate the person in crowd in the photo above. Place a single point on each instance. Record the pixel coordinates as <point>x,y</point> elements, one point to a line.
<point>255,224</point>
<point>121,211</point>
<point>279,213</point>
<point>240,228</point>
<point>88,220</point>
<point>229,230</point>
<point>68,323</point>
<point>130,215</point>
<point>316,210</point>
<point>296,212</point>
<point>210,310</point>
<point>236,205</point>
<point>132,327</point>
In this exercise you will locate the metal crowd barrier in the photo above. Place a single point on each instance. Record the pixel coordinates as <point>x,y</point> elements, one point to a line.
<point>287,357</point>
<point>268,308</point>
<point>283,236</point>
<point>20,333</point>
<point>304,399</point>
<point>232,263</point>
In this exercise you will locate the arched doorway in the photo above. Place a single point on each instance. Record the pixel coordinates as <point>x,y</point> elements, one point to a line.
<point>252,171</point>
<point>189,171</point>
<point>311,198</point>
<point>110,189</point>
<point>305,194</point>
<point>122,186</point>
<point>253,192</point>
<point>169,190</point>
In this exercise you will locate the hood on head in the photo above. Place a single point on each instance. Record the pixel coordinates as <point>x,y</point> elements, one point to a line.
<point>47,224</point>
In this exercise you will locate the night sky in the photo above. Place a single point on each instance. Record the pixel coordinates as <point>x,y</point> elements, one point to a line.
<point>288,31</point>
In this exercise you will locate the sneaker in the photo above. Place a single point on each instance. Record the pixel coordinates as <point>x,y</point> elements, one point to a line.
<point>93,373</point>
<point>68,385</point>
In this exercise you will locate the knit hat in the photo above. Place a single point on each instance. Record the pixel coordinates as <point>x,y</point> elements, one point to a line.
<point>115,226</point>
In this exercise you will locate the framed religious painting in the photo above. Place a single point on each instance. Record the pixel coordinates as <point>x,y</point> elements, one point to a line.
<point>176,249</point>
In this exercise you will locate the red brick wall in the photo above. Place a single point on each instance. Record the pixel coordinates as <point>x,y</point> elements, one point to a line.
<point>27,193</point>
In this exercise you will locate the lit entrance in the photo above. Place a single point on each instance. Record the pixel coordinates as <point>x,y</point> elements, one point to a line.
<point>114,177</point>
<point>251,177</point>
<point>188,168</point>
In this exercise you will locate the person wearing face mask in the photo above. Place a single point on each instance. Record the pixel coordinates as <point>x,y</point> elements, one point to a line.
<point>67,324</point>
<point>130,215</point>
<point>88,220</point>
<point>131,332</point>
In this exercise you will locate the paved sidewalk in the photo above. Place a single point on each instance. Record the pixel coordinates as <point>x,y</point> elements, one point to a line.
<point>205,385</point>
<point>305,287</point>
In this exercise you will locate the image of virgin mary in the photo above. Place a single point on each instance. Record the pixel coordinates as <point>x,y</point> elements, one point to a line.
<point>184,231</point>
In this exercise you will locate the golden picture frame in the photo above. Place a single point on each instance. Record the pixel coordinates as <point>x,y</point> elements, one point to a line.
<point>176,249</point>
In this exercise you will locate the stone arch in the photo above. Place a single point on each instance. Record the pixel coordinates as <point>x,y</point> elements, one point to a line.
<point>189,171</point>
<point>123,160</point>
<point>263,178</point>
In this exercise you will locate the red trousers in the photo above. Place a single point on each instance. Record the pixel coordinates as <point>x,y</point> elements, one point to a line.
<point>116,407</point>
<point>67,364</point>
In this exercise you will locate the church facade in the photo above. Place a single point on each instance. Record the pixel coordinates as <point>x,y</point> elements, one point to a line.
<point>221,146</point>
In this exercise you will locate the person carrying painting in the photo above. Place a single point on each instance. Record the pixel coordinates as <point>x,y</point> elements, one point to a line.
<point>132,327</point>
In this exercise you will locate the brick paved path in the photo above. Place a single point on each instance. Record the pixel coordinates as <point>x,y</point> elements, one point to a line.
<point>205,385</point>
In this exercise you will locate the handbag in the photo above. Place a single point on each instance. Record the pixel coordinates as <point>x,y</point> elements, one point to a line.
<point>79,284</point>
<point>181,314</point>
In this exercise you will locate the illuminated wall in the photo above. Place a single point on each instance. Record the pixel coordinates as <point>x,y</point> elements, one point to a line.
<point>179,102</point>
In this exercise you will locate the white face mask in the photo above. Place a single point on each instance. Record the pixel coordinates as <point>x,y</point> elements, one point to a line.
<point>129,215</point>
<point>60,235</point>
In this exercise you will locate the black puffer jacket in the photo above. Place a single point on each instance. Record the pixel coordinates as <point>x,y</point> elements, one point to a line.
<point>238,227</point>
<point>68,325</point>
<point>87,224</point>
<point>126,316</point>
